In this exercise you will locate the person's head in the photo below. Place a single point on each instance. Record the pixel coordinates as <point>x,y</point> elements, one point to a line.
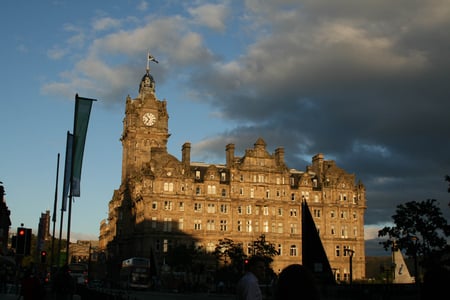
<point>296,282</point>
<point>257,265</point>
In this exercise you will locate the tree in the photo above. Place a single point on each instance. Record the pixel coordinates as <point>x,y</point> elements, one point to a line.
<point>264,248</point>
<point>420,229</point>
<point>230,252</point>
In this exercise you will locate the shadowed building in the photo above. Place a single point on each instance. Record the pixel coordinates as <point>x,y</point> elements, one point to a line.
<point>163,202</point>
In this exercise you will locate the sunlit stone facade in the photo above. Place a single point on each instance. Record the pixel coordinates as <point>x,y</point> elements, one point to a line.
<point>163,201</point>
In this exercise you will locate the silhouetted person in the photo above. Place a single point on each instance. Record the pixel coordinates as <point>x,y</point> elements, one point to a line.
<point>31,288</point>
<point>296,282</point>
<point>248,286</point>
<point>63,284</point>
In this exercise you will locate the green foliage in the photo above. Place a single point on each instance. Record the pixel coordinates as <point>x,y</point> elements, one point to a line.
<point>264,248</point>
<point>420,229</point>
<point>232,256</point>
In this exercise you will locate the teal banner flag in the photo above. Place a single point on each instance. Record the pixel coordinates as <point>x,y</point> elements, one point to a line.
<point>67,170</point>
<point>81,121</point>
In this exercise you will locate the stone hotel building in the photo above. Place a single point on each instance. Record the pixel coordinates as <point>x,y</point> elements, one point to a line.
<point>163,201</point>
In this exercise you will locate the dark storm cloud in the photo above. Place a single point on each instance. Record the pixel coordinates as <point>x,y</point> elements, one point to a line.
<point>367,85</point>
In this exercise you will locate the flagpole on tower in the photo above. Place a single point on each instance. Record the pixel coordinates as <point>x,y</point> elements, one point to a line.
<point>149,59</point>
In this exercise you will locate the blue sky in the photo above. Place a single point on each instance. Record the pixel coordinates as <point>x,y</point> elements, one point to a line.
<point>363,82</point>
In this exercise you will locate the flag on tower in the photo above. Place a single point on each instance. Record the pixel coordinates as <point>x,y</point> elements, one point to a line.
<point>151,58</point>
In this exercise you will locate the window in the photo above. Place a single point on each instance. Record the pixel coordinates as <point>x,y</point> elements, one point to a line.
<point>249,210</point>
<point>211,189</point>
<point>154,222</point>
<point>280,211</point>
<point>292,196</point>
<point>266,226</point>
<point>344,233</point>
<point>197,224</point>
<point>280,249</point>
<point>293,228</point>
<point>197,174</point>
<point>241,177</point>
<point>154,205</point>
<point>167,205</point>
<point>167,224</point>
<point>280,227</point>
<point>239,210</point>
<point>249,225</point>
<point>337,251</point>
<point>197,207</point>
<point>224,208</point>
<point>223,176</point>
<point>210,225</point>
<point>241,191</point>
<point>265,210</point>
<point>305,195</point>
<point>239,225</point>
<point>168,186</point>
<point>198,190</point>
<point>332,214</point>
<point>333,231</point>
<point>293,212</point>
<point>210,247</point>
<point>317,213</point>
<point>293,250</point>
<point>278,180</point>
<point>267,194</point>
<point>223,225</point>
<point>252,193</point>
<point>180,224</point>
<point>211,208</point>
<point>224,192</point>
<point>181,206</point>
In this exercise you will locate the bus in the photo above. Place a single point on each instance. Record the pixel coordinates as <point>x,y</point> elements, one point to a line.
<point>135,273</point>
<point>79,272</point>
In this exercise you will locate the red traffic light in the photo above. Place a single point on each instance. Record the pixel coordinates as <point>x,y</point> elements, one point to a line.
<point>43,257</point>
<point>22,232</point>
<point>246,261</point>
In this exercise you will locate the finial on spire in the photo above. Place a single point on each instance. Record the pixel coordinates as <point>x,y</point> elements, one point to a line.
<point>149,59</point>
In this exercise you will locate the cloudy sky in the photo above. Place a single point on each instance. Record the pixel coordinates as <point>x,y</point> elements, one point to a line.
<point>366,83</point>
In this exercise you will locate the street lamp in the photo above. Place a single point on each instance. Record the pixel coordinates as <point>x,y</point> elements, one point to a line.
<point>348,250</point>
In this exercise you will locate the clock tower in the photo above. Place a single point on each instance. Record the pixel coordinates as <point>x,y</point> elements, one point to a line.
<point>145,127</point>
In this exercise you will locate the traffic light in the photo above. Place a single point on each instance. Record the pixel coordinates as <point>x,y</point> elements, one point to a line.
<point>20,241</point>
<point>23,241</point>
<point>43,257</point>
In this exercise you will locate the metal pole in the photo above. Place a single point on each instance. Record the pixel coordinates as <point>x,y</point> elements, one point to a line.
<point>54,213</point>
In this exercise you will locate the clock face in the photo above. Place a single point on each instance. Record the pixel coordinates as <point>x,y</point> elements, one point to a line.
<point>149,119</point>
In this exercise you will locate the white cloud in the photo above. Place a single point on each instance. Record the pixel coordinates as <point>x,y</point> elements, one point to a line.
<point>105,24</point>
<point>210,15</point>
